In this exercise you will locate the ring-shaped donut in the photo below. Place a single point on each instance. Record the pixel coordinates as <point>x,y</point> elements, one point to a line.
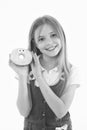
<point>21,56</point>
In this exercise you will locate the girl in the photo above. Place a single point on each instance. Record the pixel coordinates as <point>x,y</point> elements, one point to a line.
<point>47,86</point>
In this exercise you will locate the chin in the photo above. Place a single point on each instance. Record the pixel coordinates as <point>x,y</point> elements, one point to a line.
<point>53,54</point>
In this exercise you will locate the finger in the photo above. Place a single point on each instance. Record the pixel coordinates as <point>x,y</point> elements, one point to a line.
<point>33,68</point>
<point>32,65</point>
<point>36,62</point>
<point>35,55</point>
<point>33,58</point>
<point>12,65</point>
<point>10,62</point>
<point>36,59</point>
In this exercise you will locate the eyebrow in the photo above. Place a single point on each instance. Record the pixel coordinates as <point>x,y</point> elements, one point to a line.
<point>43,35</point>
<point>40,36</point>
<point>53,32</point>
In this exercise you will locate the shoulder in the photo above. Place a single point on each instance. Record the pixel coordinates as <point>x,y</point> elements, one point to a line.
<point>74,76</point>
<point>73,81</point>
<point>74,71</point>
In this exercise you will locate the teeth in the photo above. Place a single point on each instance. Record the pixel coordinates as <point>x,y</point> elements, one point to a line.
<point>51,48</point>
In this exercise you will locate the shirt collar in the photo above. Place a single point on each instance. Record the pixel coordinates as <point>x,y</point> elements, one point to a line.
<point>55,69</point>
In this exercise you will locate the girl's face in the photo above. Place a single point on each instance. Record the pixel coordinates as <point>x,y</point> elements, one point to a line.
<point>47,40</point>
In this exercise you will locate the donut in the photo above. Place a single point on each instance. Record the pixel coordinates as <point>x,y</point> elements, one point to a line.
<point>21,56</point>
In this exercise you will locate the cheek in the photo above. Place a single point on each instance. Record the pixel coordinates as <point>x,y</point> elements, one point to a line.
<point>37,45</point>
<point>59,42</point>
<point>40,46</point>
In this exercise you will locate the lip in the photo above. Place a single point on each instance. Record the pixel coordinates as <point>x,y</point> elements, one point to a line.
<point>51,48</point>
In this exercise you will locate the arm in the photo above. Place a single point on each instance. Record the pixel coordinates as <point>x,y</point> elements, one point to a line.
<point>60,105</point>
<point>24,102</point>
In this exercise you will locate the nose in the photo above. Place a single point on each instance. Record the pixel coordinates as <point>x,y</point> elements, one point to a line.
<point>49,41</point>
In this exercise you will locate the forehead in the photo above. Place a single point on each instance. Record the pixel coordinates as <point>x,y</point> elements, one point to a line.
<point>44,29</point>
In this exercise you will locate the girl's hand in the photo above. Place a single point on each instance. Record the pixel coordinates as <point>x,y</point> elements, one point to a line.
<point>20,70</point>
<point>35,65</point>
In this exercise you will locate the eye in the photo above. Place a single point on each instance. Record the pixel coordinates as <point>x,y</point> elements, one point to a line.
<point>54,35</point>
<point>41,39</point>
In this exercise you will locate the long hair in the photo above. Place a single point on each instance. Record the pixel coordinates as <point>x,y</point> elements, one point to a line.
<point>46,19</point>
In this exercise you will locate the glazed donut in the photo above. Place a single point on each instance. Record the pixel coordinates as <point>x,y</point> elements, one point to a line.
<point>21,56</point>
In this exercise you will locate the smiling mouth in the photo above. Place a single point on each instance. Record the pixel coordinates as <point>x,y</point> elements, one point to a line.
<point>51,48</point>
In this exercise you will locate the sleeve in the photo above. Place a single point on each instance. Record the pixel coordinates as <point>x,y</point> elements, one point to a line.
<point>74,77</point>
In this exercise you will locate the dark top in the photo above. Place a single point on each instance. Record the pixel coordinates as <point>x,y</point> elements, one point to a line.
<point>41,113</point>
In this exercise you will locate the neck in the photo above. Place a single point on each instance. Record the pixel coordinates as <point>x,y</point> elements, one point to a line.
<point>49,62</point>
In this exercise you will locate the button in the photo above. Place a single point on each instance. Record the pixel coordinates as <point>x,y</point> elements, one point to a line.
<point>43,114</point>
<point>44,101</point>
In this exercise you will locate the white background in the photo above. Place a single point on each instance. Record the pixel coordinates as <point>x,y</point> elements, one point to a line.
<point>16,17</point>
